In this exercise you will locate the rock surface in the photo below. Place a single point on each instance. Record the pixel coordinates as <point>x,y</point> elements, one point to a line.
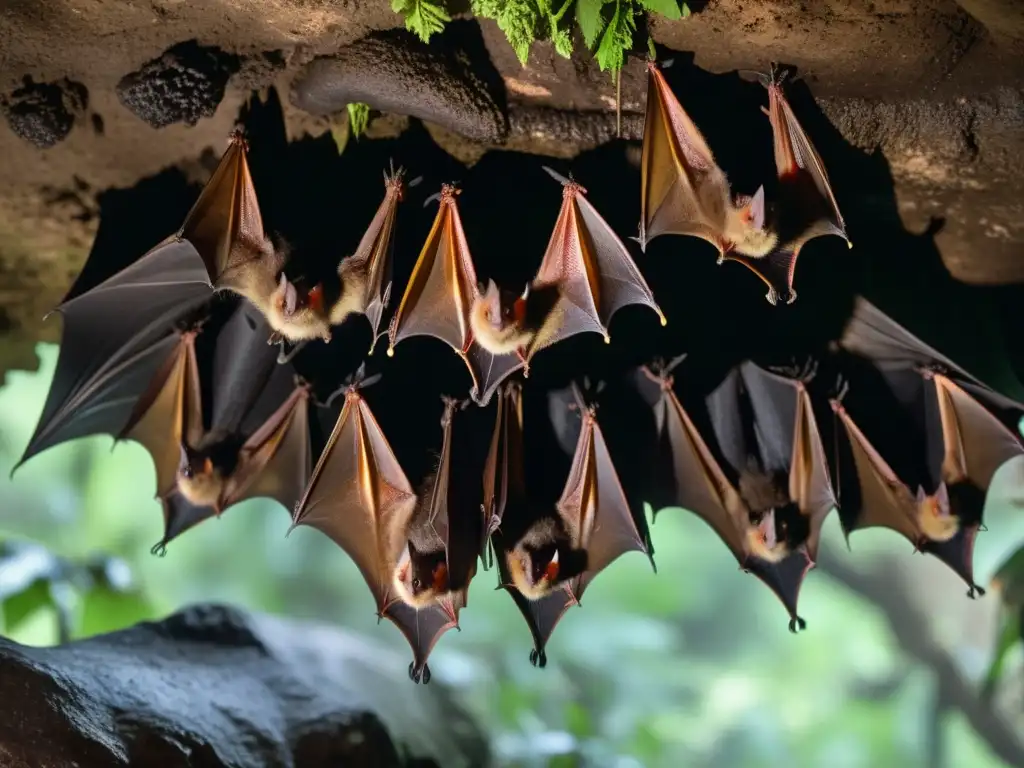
<point>213,686</point>
<point>43,113</point>
<point>932,92</point>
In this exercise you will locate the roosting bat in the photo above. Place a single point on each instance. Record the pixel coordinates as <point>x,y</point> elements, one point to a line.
<point>503,483</point>
<point>926,478</point>
<point>547,558</point>
<point>683,191</point>
<point>805,207</point>
<point>105,360</point>
<point>363,285</point>
<point>438,298</point>
<point>758,477</point>
<point>360,498</point>
<point>585,277</point>
<point>257,441</point>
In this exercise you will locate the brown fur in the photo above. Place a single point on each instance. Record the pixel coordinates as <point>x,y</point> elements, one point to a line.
<point>934,518</point>
<point>422,537</point>
<point>203,489</point>
<point>762,492</point>
<point>542,533</point>
<point>353,291</point>
<point>498,340</point>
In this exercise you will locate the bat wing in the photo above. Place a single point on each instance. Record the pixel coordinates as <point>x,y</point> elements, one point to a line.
<point>490,371</point>
<point>375,252</point>
<point>675,163</point>
<point>976,443</point>
<point>106,363</point>
<point>543,615</point>
<point>593,269</point>
<point>788,435</point>
<point>595,508</point>
<point>798,162</point>
<point>169,413</point>
<point>179,516</point>
<point>359,497</point>
<point>778,268</point>
<point>225,225</point>
<point>422,629</point>
<point>884,500</point>
<point>503,470</point>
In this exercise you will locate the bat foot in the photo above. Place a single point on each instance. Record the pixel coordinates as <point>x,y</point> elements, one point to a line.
<point>792,296</point>
<point>538,659</point>
<point>975,591</point>
<point>391,351</point>
<point>419,675</point>
<point>772,296</point>
<point>796,624</point>
<point>159,550</point>
<point>721,259</point>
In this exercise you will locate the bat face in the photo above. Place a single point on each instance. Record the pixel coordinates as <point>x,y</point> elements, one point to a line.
<point>497,318</point>
<point>199,480</point>
<point>298,315</point>
<point>935,516</point>
<point>421,578</point>
<point>544,559</point>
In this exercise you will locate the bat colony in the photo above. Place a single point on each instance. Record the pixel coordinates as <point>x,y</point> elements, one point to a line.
<point>883,428</point>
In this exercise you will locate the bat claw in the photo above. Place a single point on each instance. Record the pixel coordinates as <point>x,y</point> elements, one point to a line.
<point>796,624</point>
<point>975,591</point>
<point>159,549</point>
<point>772,296</point>
<point>792,296</point>
<point>538,658</point>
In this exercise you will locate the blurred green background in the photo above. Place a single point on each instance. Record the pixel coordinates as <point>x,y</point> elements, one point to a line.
<point>693,666</point>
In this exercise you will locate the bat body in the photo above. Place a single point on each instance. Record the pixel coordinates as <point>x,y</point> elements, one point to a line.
<point>257,442</point>
<point>683,191</point>
<point>360,497</point>
<point>805,208</point>
<point>548,557</point>
<point>298,312</point>
<point>585,277</point>
<point>919,440</point>
<point>438,298</point>
<point>756,473</point>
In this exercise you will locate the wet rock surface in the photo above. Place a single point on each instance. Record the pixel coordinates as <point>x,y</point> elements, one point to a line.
<point>182,86</point>
<point>43,113</point>
<point>214,686</point>
<point>450,82</point>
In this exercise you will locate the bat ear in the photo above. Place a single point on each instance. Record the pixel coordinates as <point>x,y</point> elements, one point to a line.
<point>921,495</point>
<point>756,208</point>
<point>526,292</point>
<point>942,496</point>
<point>183,459</point>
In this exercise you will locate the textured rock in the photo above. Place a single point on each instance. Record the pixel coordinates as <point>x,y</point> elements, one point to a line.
<point>183,85</point>
<point>450,82</point>
<point>43,113</point>
<point>213,686</point>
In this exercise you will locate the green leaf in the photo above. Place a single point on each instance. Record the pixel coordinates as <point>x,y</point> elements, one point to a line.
<point>105,610</point>
<point>617,38</point>
<point>590,19</point>
<point>22,604</point>
<point>358,119</point>
<point>422,17</point>
<point>1009,636</point>
<point>667,8</point>
<point>686,11</point>
<point>518,19</point>
<point>562,41</point>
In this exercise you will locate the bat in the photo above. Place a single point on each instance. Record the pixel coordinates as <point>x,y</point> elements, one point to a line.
<point>298,315</point>
<point>257,442</point>
<point>682,189</point>
<point>360,497</point>
<point>925,471</point>
<point>585,277</point>
<point>805,208</point>
<point>503,482</point>
<point>548,557</point>
<point>438,297</point>
<point>758,476</point>
<point>105,363</point>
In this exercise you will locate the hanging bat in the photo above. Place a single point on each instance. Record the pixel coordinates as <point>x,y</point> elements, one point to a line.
<point>805,208</point>
<point>682,189</point>
<point>503,482</point>
<point>106,362</point>
<point>257,442</point>
<point>549,557</point>
<point>927,476</point>
<point>585,277</point>
<point>299,315</point>
<point>758,476</point>
<point>360,497</point>
<point>438,297</point>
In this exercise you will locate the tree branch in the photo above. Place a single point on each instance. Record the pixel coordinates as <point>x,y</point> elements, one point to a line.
<point>908,623</point>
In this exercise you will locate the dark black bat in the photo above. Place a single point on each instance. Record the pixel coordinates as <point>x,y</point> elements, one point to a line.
<point>756,472</point>
<point>919,440</point>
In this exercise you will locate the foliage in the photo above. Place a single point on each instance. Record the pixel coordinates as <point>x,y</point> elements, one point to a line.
<point>694,666</point>
<point>358,118</point>
<point>422,17</point>
<point>606,26</point>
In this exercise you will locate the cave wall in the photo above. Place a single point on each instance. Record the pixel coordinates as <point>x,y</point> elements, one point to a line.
<point>99,94</point>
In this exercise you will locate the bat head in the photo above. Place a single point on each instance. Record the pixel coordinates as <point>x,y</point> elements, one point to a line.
<point>199,480</point>
<point>298,315</point>
<point>764,538</point>
<point>420,579</point>
<point>535,572</point>
<point>935,515</point>
<point>748,228</point>
<point>497,319</point>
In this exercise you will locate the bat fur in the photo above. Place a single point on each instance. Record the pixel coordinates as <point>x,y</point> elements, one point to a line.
<point>503,323</point>
<point>421,574</point>
<point>534,577</point>
<point>934,515</point>
<point>763,493</point>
